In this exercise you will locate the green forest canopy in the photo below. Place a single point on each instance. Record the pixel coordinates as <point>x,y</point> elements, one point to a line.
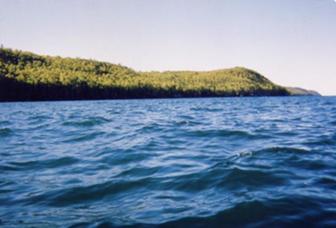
<point>32,73</point>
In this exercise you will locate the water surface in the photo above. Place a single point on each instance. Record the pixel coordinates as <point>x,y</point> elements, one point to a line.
<point>170,162</point>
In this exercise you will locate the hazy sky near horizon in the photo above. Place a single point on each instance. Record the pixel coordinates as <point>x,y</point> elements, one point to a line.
<point>292,42</point>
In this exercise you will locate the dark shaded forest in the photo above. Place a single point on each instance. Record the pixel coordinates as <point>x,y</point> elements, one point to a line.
<point>25,76</point>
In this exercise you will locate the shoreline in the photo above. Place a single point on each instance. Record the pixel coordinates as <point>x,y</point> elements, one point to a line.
<point>157,98</point>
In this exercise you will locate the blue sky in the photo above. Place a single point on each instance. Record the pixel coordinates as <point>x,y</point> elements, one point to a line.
<point>292,42</point>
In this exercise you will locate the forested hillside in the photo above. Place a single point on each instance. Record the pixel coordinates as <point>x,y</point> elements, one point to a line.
<point>27,76</point>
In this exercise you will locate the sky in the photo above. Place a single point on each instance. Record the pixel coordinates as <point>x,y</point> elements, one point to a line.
<point>291,42</point>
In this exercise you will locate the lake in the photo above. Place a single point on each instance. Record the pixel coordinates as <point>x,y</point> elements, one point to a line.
<point>266,161</point>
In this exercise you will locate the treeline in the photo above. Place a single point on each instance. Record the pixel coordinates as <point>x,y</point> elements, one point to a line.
<point>27,76</point>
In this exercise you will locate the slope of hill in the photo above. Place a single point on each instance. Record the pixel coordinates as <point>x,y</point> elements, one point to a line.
<point>296,91</point>
<point>27,76</point>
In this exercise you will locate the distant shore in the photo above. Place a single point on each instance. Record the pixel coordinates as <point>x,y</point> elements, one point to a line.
<point>25,76</point>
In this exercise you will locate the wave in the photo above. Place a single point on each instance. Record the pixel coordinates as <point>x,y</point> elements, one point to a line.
<point>324,140</point>
<point>286,211</point>
<point>222,133</point>
<point>326,181</point>
<point>282,212</point>
<point>80,137</point>
<point>4,122</point>
<point>203,109</point>
<point>228,162</point>
<point>39,164</point>
<point>39,118</point>
<point>90,122</point>
<point>277,149</point>
<point>5,132</point>
<point>238,177</point>
<point>84,194</point>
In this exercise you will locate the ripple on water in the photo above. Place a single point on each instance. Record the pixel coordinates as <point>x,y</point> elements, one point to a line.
<point>322,140</point>
<point>85,194</point>
<point>4,122</point>
<point>283,150</point>
<point>265,162</point>
<point>285,161</point>
<point>42,164</point>
<point>39,118</point>
<point>122,157</point>
<point>237,178</point>
<point>327,181</point>
<point>77,137</point>
<point>222,133</point>
<point>5,132</point>
<point>278,212</point>
<point>91,122</point>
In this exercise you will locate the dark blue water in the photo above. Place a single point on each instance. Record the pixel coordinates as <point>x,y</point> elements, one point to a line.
<point>173,163</point>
